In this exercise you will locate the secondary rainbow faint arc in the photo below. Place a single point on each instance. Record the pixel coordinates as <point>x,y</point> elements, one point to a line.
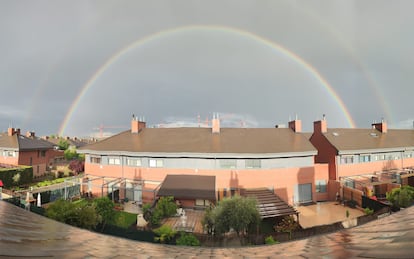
<point>249,35</point>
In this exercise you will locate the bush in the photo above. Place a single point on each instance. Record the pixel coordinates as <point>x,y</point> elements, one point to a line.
<point>187,240</point>
<point>368,211</point>
<point>76,166</point>
<point>270,241</point>
<point>20,175</point>
<point>401,197</point>
<point>80,215</point>
<point>165,234</point>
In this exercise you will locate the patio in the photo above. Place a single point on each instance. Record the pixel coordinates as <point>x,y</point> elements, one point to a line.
<point>324,213</point>
<point>191,224</point>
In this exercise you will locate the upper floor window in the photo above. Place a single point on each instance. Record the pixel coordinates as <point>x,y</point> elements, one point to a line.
<point>253,163</point>
<point>9,153</point>
<point>133,161</point>
<point>347,159</point>
<point>228,163</point>
<point>42,153</point>
<point>364,158</point>
<point>156,163</point>
<point>95,160</point>
<point>114,161</point>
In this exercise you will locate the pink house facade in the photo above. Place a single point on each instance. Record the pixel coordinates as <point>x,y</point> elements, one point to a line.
<point>280,159</point>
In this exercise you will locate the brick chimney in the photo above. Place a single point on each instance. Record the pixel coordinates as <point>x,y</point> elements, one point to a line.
<point>215,122</point>
<point>320,126</point>
<point>295,125</point>
<point>13,131</point>
<point>381,126</point>
<point>137,124</point>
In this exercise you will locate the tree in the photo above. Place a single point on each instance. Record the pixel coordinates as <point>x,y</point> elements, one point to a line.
<point>63,144</point>
<point>402,197</point>
<point>70,154</point>
<point>167,206</point>
<point>105,209</point>
<point>237,213</point>
<point>77,166</point>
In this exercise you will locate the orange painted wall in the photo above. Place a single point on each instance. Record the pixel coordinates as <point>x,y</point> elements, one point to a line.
<point>283,180</point>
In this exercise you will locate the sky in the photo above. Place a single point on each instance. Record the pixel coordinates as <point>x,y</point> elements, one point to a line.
<point>80,68</point>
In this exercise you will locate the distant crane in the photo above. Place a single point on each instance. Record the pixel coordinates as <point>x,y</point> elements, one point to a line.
<point>102,127</point>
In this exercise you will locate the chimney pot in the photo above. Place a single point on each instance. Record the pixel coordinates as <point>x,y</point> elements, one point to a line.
<point>381,126</point>
<point>215,124</point>
<point>296,125</point>
<point>137,125</point>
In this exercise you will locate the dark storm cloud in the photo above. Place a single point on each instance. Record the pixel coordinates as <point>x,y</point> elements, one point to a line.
<point>50,50</point>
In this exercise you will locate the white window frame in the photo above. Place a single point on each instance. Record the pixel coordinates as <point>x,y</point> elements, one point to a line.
<point>96,160</point>
<point>134,162</point>
<point>114,160</point>
<point>253,163</point>
<point>155,163</point>
<point>347,159</point>
<point>228,163</point>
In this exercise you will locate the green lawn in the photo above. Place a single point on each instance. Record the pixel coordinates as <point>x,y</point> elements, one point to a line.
<point>124,219</point>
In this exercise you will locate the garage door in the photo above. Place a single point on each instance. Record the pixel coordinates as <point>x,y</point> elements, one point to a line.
<point>303,193</point>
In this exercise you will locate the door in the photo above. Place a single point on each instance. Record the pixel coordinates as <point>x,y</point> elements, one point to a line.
<point>303,193</point>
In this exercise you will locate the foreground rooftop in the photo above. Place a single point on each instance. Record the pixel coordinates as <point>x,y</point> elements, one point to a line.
<point>25,234</point>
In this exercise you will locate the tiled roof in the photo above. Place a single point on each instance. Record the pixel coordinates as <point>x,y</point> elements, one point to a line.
<point>23,143</point>
<point>202,140</point>
<point>25,234</point>
<point>189,187</point>
<point>367,139</point>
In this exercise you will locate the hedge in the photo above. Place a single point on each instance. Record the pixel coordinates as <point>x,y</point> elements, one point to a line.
<point>9,178</point>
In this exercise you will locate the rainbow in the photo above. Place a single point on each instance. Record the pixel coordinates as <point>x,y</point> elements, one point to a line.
<point>238,32</point>
<point>373,84</point>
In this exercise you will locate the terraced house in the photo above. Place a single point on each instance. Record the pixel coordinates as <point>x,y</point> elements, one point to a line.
<point>377,155</point>
<point>135,163</point>
<point>17,149</point>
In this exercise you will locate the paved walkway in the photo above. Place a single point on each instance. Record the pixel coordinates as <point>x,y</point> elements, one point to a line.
<point>324,213</point>
<point>25,234</point>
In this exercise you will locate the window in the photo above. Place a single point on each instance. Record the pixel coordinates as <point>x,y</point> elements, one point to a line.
<point>133,161</point>
<point>9,153</point>
<point>95,160</point>
<point>364,158</point>
<point>203,203</point>
<point>253,163</point>
<point>320,185</point>
<point>347,159</point>
<point>156,163</point>
<point>228,163</point>
<point>408,154</point>
<point>42,153</point>
<point>114,161</point>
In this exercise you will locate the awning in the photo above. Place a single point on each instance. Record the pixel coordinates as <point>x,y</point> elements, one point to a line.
<point>189,187</point>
